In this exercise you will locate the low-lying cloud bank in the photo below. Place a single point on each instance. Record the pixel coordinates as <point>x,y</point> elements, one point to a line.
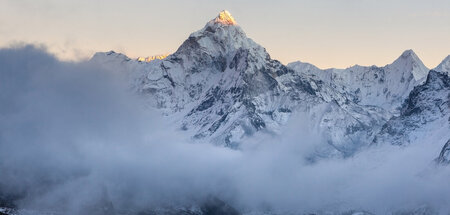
<point>72,137</point>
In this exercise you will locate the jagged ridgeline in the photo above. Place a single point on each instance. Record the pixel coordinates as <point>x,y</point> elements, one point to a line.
<point>224,87</point>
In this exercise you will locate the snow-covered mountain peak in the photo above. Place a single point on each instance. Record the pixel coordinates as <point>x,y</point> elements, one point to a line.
<point>217,35</point>
<point>109,57</point>
<point>218,43</point>
<point>385,87</point>
<point>411,62</point>
<point>299,65</point>
<point>444,66</point>
<point>409,53</point>
<point>224,18</point>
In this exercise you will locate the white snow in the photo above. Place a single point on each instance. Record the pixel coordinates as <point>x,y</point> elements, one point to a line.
<point>444,66</point>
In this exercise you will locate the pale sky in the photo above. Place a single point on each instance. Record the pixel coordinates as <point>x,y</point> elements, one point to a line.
<point>326,33</point>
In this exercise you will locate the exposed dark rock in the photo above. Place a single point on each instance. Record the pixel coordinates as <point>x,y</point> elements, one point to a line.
<point>444,156</point>
<point>215,206</point>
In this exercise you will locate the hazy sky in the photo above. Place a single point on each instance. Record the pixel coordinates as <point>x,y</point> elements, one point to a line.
<point>327,33</point>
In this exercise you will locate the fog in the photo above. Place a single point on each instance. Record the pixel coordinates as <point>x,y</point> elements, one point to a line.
<point>72,137</point>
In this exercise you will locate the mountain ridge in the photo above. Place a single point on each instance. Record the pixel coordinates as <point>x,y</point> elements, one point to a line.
<point>372,85</point>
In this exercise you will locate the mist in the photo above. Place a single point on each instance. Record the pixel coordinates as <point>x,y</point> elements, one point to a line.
<point>73,137</point>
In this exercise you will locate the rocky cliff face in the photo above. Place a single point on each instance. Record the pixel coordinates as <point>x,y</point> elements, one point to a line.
<point>425,112</point>
<point>444,156</point>
<point>425,115</point>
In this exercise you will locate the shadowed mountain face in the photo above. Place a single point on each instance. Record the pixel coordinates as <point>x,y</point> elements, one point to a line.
<point>425,111</point>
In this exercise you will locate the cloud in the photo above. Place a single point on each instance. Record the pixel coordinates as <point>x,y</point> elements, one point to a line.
<point>72,138</point>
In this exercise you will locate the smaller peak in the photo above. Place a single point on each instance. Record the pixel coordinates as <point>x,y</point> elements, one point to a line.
<point>106,56</point>
<point>409,55</point>
<point>408,52</point>
<point>301,66</point>
<point>410,62</point>
<point>446,61</point>
<point>225,18</point>
<point>444,66</point>
<point>300,63</point>
<point>152,58</point>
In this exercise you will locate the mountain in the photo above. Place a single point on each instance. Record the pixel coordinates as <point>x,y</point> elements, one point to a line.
<point>222,87</point>
<point>220,81</point>
<point>385,87</point>
<point>424,117</point>
<point>444,66</point>
<point>213,80</point>
<point>371,95</point>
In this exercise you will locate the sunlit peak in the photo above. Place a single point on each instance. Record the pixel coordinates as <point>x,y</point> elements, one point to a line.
<point>152,58</point>
<point>225,18</point>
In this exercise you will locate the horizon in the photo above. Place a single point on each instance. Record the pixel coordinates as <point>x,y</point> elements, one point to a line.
<point>325,34</point>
